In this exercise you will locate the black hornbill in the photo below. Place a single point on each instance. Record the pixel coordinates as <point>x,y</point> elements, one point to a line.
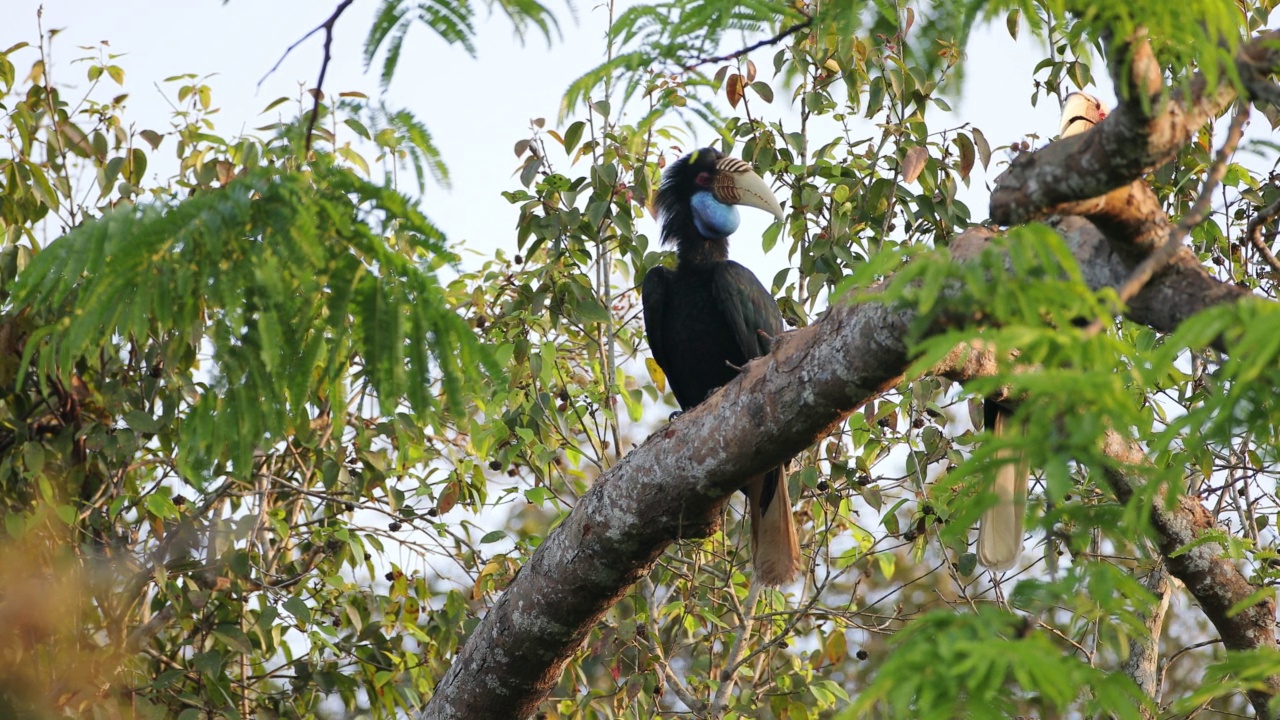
<point>710,316</point>
<point>1000,530</point>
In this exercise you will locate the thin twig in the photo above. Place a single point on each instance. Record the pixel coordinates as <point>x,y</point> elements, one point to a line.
<point>731,662</point>
<point>56,136</point>
<point>786,32</point>
<point>1254,233</point>
<point>327,26</point>
<point>1157,260</point>
<point>652,638</point>
<point>1164,666</point>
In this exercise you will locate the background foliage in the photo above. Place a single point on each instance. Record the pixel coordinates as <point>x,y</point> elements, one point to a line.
<point>268,449</point>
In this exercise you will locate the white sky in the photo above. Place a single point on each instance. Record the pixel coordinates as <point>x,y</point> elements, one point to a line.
<point>475,109</point>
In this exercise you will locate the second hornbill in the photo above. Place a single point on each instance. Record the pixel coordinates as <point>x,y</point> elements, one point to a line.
<point>710,316</point>
<point>1000,530</point>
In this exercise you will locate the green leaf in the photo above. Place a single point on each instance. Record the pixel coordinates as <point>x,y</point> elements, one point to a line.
<point>33,458</point>
<point>572,135</point>
<point>1254,598</point>
<point>154,138</point>
<point>208,662</point>
<point>141,422</point>
<point>984,149</point>
<point>591,310</point>
<point>295,606</point>
<point>161,506</point>
<point>358,127</point>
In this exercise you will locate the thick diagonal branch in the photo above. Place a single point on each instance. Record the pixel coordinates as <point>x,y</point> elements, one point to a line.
<point>675,483</point>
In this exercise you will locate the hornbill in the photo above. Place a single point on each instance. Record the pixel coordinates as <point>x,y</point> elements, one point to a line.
<point>710,316</point>
<point>1000,530</point>
<point>1080,112</point>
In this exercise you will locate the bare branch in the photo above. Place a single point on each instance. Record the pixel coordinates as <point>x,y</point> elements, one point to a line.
<point>1142,665</point>
<point>327,26</point>
<point>783,35</point>
<point>729,671</point>
<point>1172,244</point>
<point>1254,233</point>
<point>1161,257</point>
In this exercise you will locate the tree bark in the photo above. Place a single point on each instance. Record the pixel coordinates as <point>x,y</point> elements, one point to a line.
<point>1146,130</point>
<point>675,483</point>
<point>1143,663</point>
<point>1210,576</point>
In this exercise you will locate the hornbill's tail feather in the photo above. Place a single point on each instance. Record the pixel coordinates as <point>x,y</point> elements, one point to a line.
<point>775,551</point>
<point>1000,530</point>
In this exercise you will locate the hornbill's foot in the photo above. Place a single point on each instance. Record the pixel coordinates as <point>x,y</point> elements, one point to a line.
<point>675,415</point>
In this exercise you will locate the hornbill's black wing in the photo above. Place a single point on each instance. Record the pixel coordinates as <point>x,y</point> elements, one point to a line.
<point>749,309</point>
<point>754,320</point>
<point>653,296</point>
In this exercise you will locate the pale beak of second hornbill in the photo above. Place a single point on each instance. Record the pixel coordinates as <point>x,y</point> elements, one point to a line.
<point>1080,112</point>
<point>735,183</point>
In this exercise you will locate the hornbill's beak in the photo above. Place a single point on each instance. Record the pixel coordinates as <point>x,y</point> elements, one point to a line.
<point>737,184</point>
<point>1080,112</point>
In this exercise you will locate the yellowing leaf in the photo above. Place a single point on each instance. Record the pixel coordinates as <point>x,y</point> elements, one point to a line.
<point>655,373</point>
<point>913,163</point>
<point>734,88</point>
<point>967,155</point>
<point>448,499</point>
<point>835,647</point>
<point>354,158</point>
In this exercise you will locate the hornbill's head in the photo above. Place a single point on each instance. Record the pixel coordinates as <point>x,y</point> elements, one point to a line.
<point>699,192</point>
<point>1080,112</point>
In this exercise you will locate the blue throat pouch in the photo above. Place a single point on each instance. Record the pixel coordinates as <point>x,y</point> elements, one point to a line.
<point>713,218</point>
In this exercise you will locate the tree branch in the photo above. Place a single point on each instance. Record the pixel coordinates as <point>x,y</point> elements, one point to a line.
<point>1157,260</point>
<point>782,35</point>
<point>675,483</point>
<point>327,26</point>
<point>1212,578</point>
<point>1145,131</point>
<point>1254,233</point>
<point>729,670</point>
<point>1144,651</point>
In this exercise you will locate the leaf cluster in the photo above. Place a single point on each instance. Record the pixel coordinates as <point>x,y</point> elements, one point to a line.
<point>283,275</point>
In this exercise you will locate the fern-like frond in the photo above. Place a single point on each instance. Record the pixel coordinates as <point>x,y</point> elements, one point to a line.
<point>291,280</point>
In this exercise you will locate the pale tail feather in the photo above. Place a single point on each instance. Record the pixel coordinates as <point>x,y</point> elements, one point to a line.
<point>775,551</point>
<point>1000,529</point>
